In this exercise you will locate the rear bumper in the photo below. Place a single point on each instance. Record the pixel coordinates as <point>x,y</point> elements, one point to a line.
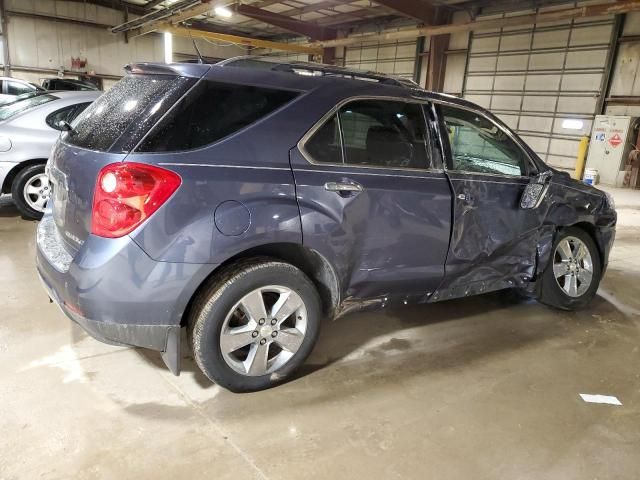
<point>153,337</point>
<point>117,293</point>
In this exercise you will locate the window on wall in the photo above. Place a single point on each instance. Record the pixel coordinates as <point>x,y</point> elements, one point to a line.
<point>384,134</point>
<point>479,146</point>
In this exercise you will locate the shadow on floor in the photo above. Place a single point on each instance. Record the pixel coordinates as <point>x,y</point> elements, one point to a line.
<point>418,339</point>
<point>8,208</point>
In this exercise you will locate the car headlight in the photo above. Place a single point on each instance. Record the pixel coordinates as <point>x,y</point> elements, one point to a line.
<point>610,201</point>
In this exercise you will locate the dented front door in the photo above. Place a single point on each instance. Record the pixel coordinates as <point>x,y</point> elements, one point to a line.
<point>493,240</point>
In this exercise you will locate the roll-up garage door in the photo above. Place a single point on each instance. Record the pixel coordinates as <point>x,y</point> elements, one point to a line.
<point>544,81</point>
<point>393,58</point>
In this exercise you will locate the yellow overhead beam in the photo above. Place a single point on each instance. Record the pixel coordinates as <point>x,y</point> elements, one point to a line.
<point>246,41</point>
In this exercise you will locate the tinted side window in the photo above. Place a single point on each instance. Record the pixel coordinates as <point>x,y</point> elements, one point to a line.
<point>384,134</point>
<point>325,146</point>
<point>124,114</point>
<point>212,111</point>
<point>478,145</point>
<point>81,107</point>
<point>67,114</point>
<point>16,88</point>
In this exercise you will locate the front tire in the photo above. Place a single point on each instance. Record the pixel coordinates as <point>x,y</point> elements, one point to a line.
<point>30,191</point>
<point>573,274</point>
<point>254,324</point>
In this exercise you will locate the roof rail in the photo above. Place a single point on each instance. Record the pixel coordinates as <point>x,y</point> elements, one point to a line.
<point>315,69</point>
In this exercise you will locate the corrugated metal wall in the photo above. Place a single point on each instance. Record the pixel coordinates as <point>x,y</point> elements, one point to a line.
<point>535,77</point>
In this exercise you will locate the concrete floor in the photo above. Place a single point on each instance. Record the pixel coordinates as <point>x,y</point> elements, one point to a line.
<point>482,388</point>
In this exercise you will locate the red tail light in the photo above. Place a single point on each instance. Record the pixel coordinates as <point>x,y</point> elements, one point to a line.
<point>126,194</point>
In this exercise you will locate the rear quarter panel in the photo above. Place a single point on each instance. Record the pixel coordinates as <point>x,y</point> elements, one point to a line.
<point>236,194</point>
<point>220,210</point>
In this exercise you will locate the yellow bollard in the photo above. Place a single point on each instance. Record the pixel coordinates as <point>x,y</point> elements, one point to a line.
<point>582,157</point>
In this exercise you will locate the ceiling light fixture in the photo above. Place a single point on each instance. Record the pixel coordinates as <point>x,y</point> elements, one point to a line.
<point>223,12</point>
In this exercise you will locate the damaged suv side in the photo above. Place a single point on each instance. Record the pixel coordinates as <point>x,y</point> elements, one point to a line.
<point>248,200</point>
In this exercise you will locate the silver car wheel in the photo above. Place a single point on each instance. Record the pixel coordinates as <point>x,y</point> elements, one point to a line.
<point>573,266</point>
<point>37,191</point>
<point>264,330</point>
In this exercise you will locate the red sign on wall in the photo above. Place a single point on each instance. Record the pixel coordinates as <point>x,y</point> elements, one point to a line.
<point>615,140</point>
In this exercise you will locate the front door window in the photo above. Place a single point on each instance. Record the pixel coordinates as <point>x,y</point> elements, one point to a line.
<point>479,146</point>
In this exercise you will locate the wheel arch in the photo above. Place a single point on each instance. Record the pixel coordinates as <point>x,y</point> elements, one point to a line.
<point>309,261</point>
<point>548,238</point>
<point>13,173</point>
<point>592,231</point>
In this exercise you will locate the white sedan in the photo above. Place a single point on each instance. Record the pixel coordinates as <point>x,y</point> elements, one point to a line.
<point>28,130</point>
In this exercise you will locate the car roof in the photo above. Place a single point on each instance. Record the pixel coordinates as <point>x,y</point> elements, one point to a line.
<point>14,79</point>
<point>303,76</point>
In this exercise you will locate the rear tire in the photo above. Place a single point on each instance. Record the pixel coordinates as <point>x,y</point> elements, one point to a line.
<point>254,324</point>
<point>30,191</point>
<point>572,276</point>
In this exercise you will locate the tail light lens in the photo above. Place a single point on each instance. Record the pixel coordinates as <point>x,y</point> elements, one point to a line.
<point>126,194</point>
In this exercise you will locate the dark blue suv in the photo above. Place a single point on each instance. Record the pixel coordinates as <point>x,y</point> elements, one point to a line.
<point>246,201</point>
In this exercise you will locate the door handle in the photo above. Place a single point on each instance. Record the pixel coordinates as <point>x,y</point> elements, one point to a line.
<point>343,187</point>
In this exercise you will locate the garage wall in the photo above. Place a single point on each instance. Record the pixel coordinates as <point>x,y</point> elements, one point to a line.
<point>46,44</point>
<point>625,78</point>
<point>392,58</point>
<point>535,77</point>
<point>456,61</point>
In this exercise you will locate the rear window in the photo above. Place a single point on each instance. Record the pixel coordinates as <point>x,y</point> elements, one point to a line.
<point>13,109</point>
<point>120,117</point>
<point>210,112</point>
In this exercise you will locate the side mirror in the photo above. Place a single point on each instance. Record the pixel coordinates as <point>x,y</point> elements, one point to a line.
<point>535,191</point>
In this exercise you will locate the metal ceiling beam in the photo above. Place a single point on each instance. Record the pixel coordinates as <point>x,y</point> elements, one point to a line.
<point>244,41</point>
<point>140,27</point>
<point>213,28</point>
<point>593,10</point>
<point>372,14</point>
<point>152,4</point>
<point>423,11</point>
<point>495,6</point>
<point>115,5</point>
<point>157,16</point>
<point>313,7</point>
<point>329,5</point>
<point>313,31</point>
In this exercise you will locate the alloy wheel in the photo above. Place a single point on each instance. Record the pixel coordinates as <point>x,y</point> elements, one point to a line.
<point>264,330</point>
<point>37,191</point>
<point>573,266</point>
